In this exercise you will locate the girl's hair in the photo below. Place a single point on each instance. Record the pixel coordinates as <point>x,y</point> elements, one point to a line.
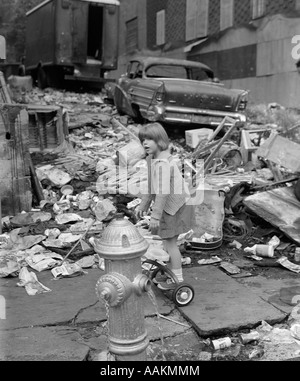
<point>156,132</point>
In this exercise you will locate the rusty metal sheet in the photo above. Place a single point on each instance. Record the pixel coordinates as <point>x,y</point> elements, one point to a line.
<point>280,208</point>
<point>281,151</point>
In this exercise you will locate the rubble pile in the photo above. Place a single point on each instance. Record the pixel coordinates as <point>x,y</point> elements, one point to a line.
<point>100,169</point>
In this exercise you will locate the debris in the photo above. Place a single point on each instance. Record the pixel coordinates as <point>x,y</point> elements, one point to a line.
<point>67,217</point>
<point>104,209</point>
<point>55,175</point>
<point>67,270</point>
<point>86,262</point>
<point>254,257</point>
<point>195,137</point>
<point>131,153</point>
<point>45,261</point>
<point>29,280</point>
<point>261,250</point>
<point>274,241</point>
<point>186,261</point>
<point>230,268</point>
<point>210,261</point>
<point>256,353</point>
<point>281,151</point>
<point>279,207</point>
<point>235,244</point>
<point>221,343</point>
<point>295,330</point>
<point>289,265</point>
<point>9,267</point>
<point>4,241</point>
<point>297,255</point>
<point>248,337</point>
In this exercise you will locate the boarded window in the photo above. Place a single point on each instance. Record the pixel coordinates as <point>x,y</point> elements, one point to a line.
<point>132,35</point>
<point>226,19</point>
<point>258,8</point>
<point>160,27</point>
<point>196,19</point>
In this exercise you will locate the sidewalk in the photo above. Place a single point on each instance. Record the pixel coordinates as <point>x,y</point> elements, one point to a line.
<point>53,325</point>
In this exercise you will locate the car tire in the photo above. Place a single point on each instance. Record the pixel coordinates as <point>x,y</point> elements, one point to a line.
<point>138,116</point>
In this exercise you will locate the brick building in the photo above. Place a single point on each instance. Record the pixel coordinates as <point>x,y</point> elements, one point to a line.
<point>248,43</point>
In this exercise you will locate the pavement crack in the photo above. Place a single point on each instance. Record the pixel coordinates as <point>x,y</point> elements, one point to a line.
<point>73,321</point>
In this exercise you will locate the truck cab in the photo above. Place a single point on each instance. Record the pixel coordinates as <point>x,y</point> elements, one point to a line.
<point>72,40</point>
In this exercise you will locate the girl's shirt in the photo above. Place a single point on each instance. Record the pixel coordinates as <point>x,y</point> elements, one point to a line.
<point>166,186</point>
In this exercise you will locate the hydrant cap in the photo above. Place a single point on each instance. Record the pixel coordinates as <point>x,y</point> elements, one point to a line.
<point>121,240</point>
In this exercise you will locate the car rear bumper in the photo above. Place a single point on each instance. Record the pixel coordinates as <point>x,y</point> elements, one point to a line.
<point>190,115</point>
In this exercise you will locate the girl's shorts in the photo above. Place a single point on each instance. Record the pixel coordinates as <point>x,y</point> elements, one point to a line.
<point>181,222</point>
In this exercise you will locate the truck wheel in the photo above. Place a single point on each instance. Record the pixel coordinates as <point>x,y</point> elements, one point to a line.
<point>41,78</point>
<point>137,115</point>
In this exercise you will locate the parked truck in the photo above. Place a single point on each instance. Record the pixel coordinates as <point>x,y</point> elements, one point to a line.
<point>72,40</point>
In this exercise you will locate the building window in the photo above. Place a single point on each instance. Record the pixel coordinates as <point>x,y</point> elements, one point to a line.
<point>160,27</point>
<point>132,35</point>
<point>258,8</point>
<point>226,20</point>
<point>196,19</point>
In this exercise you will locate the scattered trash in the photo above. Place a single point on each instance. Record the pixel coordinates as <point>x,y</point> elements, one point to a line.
<point>295,331</point>
<point>45,261</point>
<point>235,244</point>
<point>87,262</point>
<point>256,353</point>
<point>274,241</point>
<point>261,250</point>
<point>29,280</point>
<point>254,257</point>
<point>249,337</point>
<point>134,203</point>
<point>289,265</point>
<point>104,209</point>
<point>230,268</point>
<point>297,254</point>
<point>210,261</point>
<point>186,261</point>
<point>9,267</point>
<point>67,270</point>
<point>4,241</point>
<point>221,343</point>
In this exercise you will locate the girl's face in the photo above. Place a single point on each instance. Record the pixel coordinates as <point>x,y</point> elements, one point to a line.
<point>151,147</point>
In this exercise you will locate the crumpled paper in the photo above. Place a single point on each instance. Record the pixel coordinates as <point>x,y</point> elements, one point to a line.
<point>9,267</point>
<point>30,281</point>
<point>45,261</point>
<point>67,270</point>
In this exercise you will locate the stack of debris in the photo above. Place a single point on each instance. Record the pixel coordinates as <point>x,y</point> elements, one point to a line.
<point>98,168</point>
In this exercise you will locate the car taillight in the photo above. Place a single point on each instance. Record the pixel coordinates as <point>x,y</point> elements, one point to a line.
<point>243,101</point>
<point>160,93</point>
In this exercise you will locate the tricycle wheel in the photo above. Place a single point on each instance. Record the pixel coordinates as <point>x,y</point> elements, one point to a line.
<point>183,294</point>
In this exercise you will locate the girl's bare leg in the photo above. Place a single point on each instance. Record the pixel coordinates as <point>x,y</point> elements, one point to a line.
<point>170,245</point>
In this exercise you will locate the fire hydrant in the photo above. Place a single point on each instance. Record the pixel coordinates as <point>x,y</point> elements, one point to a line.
<point>122,286</point>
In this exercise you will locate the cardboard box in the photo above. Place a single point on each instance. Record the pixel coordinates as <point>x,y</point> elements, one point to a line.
<point>193,137</point>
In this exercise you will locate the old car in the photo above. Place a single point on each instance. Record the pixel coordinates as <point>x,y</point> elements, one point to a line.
<point>176,91</point>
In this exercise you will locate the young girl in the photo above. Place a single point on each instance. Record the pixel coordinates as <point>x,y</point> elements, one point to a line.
<point>170,214</point>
